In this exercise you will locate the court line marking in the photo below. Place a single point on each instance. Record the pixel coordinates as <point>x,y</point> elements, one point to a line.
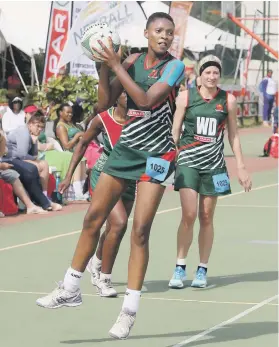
<point>224,323</point>
<point>130,219</point>
<point>150,298</point>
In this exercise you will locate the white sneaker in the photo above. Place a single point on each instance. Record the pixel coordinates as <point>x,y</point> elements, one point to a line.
<point>105,288</point>
<point>60,297</point>
<point>121,329</point>
<point>94,272</point>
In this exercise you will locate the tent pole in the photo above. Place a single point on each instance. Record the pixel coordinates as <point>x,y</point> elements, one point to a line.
<point>17,70</point>
<point>32,73</point>
<point>238,66</point>
<point>33,62</point>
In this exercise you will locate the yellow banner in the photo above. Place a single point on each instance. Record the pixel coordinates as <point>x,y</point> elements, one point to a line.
<point>180,11</point>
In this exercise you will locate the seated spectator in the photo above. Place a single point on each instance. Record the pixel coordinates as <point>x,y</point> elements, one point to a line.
<point>60,160</point>
<point>14,117</point>
<point>8,175</point>
<point>66,132</point>
<point>22,146</point>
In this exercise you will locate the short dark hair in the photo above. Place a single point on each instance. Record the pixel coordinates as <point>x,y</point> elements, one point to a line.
<point>61,108</point>
<point>158,15</point>
<point>38,117</point>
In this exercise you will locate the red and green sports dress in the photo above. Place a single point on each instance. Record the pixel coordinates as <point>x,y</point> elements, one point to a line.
<point>111,133</point>
<point>201,164</point>
<point>146,150</point>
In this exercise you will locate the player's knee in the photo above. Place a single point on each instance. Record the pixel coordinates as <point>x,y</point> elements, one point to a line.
<point>205,218</point>
<point>140,234</point>
<point>189,217</point>
<point>93,222</point>
<point>119,226</point>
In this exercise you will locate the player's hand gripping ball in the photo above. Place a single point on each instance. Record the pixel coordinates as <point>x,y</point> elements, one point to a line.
<point>98,32</point>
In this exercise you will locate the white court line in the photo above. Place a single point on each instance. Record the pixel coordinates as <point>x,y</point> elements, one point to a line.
<point>229,321</point>
<point>150,298</point>
<point>130,219</point>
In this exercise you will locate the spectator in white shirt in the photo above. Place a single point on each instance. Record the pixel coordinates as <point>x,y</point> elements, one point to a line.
<point>269,88</point>
<point>14,117</point>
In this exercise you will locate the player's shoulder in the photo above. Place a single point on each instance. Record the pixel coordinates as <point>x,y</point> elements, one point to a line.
<point>231,101</point>
<point>230,98</point>
<point>177,64</point>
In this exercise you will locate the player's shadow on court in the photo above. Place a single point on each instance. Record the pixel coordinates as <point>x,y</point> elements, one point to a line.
<point>162,286</point>
<point>232,332</point>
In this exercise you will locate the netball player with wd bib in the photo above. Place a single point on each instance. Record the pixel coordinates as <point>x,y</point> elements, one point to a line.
<point>201,168</point>
<point>145,153</point>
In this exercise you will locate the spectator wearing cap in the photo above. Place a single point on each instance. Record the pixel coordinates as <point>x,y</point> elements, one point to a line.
<point>14,117</point>
<point>268,88</point>
<point>30,111</point>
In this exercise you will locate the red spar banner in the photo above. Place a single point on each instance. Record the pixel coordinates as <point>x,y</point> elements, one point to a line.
<point>59,26</point>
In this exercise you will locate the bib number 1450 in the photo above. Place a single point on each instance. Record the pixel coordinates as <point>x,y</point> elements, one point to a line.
<point>157,168</point>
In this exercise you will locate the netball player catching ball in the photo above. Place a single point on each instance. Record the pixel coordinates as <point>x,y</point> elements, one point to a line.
<point>145,153</point>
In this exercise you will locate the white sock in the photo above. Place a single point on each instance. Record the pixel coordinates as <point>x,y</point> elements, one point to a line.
<point>180,261</point>
<point>78,188</point>
<point>72,280</point>
<point>45,193</point>
<point>96,262</point>
<point>104,277</point>
<point>131,301</point>
<point>203,265</point>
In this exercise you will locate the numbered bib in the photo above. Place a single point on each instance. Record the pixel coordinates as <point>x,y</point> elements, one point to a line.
<point>157,168</point>
<point>221,183</point>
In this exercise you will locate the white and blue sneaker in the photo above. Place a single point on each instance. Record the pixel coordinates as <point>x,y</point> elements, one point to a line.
<point>200,280</point>
<point>178,277</point>
<point>60,297</point>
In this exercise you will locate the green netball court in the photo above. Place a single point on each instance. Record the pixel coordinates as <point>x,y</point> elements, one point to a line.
<point>238,309</point>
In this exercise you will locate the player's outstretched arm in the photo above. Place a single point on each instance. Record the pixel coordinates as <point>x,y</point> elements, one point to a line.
<point>243,176</point>
<point>91,134</point>
<point>181,105</point>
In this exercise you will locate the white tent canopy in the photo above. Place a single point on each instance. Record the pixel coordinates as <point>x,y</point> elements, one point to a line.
<point>24,24</point>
